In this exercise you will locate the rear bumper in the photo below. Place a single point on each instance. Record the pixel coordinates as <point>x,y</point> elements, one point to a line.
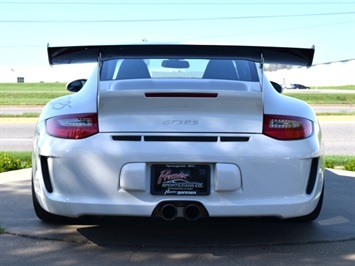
<point>132,206</point>
<point>260,177</point>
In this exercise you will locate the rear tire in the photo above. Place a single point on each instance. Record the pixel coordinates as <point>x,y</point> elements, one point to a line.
<point>42,213</point>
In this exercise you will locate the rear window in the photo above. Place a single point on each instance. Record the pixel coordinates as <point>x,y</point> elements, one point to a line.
<point>121,69</point>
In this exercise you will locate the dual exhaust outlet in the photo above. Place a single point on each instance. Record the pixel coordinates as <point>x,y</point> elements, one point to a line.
<point>190,211</point>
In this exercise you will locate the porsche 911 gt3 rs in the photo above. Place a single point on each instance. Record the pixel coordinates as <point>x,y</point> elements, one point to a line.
<point>177,131</point>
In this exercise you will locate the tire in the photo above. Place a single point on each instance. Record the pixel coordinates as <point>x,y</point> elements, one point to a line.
<point>314,214</point>
<point>42,213</point>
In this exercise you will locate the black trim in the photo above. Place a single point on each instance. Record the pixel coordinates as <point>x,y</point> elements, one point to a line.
<point>45,173</point>
<point>312,175</point>
<point>90,54</point>
<point>181,138</point>
<point>234,139</point>
<point>127,138</point>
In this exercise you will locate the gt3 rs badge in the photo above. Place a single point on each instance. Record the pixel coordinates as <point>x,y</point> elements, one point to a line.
<point>181,122</point>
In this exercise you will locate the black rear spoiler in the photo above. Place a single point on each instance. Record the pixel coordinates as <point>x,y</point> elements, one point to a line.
<point>270,55</point>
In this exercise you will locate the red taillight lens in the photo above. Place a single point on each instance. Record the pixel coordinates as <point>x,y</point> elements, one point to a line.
<point>76,126</point>
<point>287,127</point>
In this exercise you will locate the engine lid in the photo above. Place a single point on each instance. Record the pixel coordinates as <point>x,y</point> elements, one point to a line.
<point>184,106</point>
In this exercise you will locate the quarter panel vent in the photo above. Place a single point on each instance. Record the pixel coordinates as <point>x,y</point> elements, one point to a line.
<point>312,175</point>
<point>45,174</point>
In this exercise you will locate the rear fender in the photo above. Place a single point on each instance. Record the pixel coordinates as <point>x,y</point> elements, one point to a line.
<point>84,101</point>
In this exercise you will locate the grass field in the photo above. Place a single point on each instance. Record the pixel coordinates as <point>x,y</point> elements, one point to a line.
<point>347,87</point>
<point>32,87</point>
<point>324,98</point>
<point>30,93</point>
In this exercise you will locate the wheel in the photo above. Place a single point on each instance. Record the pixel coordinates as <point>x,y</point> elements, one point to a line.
<point>314,214</point>
<point>42,213</point>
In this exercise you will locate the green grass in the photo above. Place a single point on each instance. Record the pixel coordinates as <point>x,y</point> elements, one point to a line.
<point>30,93</point>
<point>15,160</point>
<point>324,98</point>
<point>31,87</point>
<point>29,98</point>
<point>338,161</point>
<point>346,87</point>
<point>23,156</point>
<point>2,230</point>
<point>23,115</point>
<point>341,113</point>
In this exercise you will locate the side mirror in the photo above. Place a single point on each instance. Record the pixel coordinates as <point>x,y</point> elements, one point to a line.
<point>76,85</point>
<point>277,86</point>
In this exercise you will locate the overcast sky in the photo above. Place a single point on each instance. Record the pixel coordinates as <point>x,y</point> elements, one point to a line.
<point>27,26</point>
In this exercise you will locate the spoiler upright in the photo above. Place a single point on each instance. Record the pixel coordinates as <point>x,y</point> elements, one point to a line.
<point>269,54</point>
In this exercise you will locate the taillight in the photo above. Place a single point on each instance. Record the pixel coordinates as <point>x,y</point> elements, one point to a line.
<point>287,127</point>
<point>75,126</point>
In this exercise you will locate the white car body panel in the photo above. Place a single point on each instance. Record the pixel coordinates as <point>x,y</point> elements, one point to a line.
<point>250,174</point>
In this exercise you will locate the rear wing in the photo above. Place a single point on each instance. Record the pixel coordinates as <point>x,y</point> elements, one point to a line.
<point>262,54</point>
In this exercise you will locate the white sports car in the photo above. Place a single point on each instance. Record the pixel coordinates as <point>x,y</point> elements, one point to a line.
<point>178,131</point>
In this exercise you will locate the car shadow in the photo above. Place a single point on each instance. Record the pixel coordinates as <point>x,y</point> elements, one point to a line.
<point>155,232</point>
<point>336,222</point>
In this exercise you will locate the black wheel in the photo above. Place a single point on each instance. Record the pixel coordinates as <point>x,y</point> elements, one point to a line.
<point>314,214</point>
<point>42,213</point>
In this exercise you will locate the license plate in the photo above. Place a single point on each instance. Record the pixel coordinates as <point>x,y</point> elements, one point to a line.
<point>180,179</point>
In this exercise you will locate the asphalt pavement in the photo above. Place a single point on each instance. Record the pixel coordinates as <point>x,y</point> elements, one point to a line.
<point>330,240</point>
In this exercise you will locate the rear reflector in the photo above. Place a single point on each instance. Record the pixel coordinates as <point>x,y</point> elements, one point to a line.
<point>287,127</point>
<point>76,126</point>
